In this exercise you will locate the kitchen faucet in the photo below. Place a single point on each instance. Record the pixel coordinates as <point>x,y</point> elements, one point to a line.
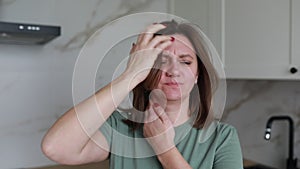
<point>291,162</point>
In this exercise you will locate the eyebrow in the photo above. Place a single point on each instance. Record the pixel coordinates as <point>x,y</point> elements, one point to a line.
<point>185,55</point>
<point>180,56</point>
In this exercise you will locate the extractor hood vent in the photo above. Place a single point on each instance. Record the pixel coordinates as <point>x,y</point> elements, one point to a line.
<point>27,34</point>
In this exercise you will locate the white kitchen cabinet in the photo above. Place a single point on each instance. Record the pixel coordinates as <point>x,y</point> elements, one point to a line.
<point>296,35</point>
<point>256,39</point>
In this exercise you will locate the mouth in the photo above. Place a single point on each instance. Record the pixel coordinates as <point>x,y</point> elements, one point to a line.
<point>173,84</point>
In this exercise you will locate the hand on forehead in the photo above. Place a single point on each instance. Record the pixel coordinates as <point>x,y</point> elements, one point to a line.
<point>180,46</point>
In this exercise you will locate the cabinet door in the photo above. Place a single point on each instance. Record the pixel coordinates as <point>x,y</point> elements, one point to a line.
<point>296,37</point>
<point>257,38</point>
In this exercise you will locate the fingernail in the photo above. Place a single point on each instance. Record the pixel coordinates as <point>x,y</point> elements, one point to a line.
<point>133,44</point>
<point>154,23</point>
<point>172,39</point>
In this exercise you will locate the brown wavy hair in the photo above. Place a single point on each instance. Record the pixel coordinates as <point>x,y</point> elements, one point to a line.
<point>201,95</point>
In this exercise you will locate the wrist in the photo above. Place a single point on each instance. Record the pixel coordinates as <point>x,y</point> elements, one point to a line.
<point>173,159</point>
<point>131,79</point>
<point>160,145</point>
<point>166,155</point>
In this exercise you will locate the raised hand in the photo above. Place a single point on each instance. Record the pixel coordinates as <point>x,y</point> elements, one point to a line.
<point>145,51</point>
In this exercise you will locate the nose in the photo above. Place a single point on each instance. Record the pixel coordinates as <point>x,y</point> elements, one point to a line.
<point>173,70</point>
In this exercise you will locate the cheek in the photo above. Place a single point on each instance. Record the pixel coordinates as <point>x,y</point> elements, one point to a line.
<point>160,82</point>
<point>191,74</point>
<point>190,82</point>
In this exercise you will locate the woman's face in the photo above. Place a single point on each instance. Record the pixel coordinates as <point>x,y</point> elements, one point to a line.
<point>179,69</point>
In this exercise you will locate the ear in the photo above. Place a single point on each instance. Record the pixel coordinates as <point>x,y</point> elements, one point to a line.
<point>196,79</point>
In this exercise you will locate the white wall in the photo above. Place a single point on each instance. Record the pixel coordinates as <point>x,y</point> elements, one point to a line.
<point>36,81</point>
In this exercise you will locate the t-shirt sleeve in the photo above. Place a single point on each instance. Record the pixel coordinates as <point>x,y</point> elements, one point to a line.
<point>108,127</point>
<point>228,152</point>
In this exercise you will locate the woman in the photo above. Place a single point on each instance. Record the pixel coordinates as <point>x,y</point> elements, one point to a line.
<point>172,80</point>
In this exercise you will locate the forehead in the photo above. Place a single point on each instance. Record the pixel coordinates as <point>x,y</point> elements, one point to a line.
<point>180,46</point>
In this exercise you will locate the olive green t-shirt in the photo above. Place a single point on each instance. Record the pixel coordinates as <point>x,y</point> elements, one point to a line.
<point>219,149</point>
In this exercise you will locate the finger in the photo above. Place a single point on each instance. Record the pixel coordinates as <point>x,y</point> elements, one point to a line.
<point>132,48</point>
<point>161,113</point>
<point>146,116</point>
<point>147,35</point>
<point>158,40</point>
<point>158,96</point>
<point>150,115</point>
<point>150,30</point>
<point>163,45</point>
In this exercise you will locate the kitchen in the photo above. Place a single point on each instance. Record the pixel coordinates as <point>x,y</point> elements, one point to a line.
<point>258,42</point>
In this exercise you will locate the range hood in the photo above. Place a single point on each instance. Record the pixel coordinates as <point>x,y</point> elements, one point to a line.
<point>27,34</point>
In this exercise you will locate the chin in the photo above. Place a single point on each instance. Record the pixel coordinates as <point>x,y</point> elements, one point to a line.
<point>174,97</point>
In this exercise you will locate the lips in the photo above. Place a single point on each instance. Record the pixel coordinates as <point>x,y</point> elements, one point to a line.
<point>174,84</point>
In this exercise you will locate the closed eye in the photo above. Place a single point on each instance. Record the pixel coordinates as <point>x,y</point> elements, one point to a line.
<point>186,62</point>
<point>186,59</point>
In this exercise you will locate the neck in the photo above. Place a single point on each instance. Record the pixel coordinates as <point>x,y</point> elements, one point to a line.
<point>178,111</point>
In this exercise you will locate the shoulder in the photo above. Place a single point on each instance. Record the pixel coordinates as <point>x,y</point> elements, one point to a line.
<point>218,130</point>
<point>225,130</point>
<point>116,117</point>
<point>114,122</point>
<point>119,115</point>
<point>228,150</point>
<point>218,133</point>
<point>227,136</point>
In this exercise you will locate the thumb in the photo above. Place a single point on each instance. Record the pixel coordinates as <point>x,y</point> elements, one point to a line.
<point>161,113</point>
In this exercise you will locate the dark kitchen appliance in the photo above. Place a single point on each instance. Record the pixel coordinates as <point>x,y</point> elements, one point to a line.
<point>27,34</point>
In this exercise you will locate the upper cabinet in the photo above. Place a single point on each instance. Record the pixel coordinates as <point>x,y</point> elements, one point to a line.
<point>256,39</point>
<point>295,35</point>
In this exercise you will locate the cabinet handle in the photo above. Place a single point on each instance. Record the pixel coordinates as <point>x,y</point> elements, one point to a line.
<point>293,70</point>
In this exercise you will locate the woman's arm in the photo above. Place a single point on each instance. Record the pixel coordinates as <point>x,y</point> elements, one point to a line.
<point>70,139</point>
